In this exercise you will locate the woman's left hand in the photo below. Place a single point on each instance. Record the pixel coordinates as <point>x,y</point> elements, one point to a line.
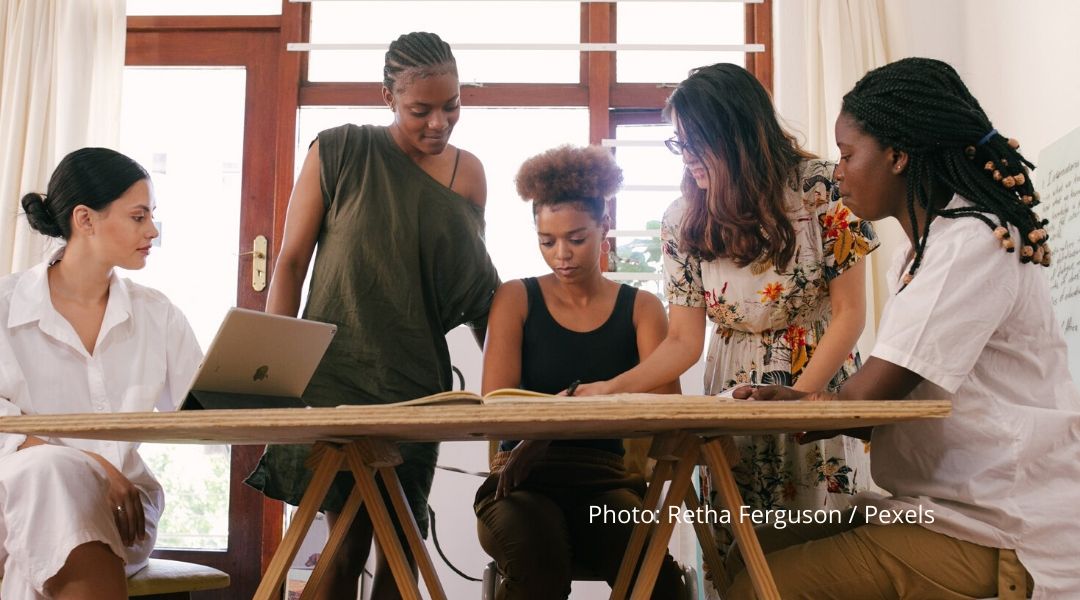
<point>517,468</point>
<point>125,503</point>
<point>779,392</point>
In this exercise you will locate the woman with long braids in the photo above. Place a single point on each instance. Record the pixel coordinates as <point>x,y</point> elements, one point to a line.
<point>396,215</point>
<point>988,497</point>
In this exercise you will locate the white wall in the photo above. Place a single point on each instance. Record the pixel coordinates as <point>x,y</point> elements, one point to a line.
<point>1019,57</point>
<point>1021,63</point>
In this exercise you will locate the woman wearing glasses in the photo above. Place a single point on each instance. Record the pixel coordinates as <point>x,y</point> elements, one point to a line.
<point>759,245</point>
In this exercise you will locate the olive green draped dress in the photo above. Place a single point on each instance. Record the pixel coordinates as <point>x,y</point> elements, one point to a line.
<point>400,261</point>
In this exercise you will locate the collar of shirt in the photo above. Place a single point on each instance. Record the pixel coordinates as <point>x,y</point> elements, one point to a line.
<point>31,301</point>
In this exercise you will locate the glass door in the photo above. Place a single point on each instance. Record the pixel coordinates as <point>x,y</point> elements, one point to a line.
<point>200,113</point>
<point>194,261</point>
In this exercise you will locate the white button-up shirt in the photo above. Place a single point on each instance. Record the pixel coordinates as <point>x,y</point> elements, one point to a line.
<point>145,357</point>
<point>1003,470</point>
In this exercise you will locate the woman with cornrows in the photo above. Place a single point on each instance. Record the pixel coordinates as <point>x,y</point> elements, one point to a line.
<point>394,216</point>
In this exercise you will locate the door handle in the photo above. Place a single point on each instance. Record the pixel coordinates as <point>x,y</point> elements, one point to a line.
<point>258,263</point>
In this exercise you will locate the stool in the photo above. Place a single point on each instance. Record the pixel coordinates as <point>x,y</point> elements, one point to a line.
<point>491,580</point>
<point>173,580</point>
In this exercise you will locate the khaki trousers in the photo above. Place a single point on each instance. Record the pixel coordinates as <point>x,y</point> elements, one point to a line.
<point>855,561</point>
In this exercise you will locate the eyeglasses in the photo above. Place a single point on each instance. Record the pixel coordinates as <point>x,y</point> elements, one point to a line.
<point>677,147</point>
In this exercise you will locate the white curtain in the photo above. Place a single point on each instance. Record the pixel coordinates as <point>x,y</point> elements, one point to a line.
<point>843,40</point>
<point>61,65</point>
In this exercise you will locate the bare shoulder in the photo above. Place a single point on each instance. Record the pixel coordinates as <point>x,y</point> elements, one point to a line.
<point>648,308</point>
<point>510,299</point>
<point>470,181</point>
<point>510,304</point>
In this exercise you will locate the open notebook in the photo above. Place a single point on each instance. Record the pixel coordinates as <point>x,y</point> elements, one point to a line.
<point>500,396</point>
<point>517,396</point>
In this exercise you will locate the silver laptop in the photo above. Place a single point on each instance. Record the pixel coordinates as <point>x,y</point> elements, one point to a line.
<point>258,360</point>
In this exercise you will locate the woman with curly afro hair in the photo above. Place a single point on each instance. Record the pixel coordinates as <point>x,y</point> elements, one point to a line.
<point>544,334</point>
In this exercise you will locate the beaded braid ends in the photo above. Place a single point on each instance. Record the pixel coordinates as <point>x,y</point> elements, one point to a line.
<point>921,106</point>
<point>1013,175</point>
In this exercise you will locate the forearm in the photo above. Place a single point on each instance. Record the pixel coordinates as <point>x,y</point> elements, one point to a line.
<point>101,460</point>
<point>670,360</point>
<point>671,387</point>
<point>284,295</point>
<point>32,441</point>
<point>831,352</point>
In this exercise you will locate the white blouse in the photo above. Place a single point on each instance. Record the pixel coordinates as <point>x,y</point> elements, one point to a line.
<point>145,357</point>
<point>1003,470</point>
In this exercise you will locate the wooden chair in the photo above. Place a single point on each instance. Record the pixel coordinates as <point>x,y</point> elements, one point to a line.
<point>639,458</point>
<point>490,581</point>
<point>173,580</point>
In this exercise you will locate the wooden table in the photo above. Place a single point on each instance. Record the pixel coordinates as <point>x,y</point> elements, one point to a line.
<point>362,440</point>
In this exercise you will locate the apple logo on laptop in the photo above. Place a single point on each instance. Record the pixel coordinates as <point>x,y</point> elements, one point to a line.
<point>261,373</point>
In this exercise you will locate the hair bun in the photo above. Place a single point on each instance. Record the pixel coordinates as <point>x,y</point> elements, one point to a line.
<point>38,215</point>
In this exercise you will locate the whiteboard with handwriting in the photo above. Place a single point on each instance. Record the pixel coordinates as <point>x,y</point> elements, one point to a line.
<point>1058,181</point>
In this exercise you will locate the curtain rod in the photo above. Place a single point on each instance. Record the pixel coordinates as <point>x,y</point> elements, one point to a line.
<point>580,1</point>
<point>591,47</point>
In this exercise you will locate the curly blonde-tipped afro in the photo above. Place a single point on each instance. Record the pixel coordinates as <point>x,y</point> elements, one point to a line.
<point>570,174</point>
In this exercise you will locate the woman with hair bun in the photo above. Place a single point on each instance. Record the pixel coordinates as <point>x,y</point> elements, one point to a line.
<point>544,334</point>
<point>78,516</point>
<point>394,217</point>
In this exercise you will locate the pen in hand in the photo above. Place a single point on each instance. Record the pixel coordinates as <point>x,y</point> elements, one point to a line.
<point>573,387</point>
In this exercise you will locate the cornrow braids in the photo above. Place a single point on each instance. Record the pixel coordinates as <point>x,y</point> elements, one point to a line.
<point>921,106</point>
<point>418,54</point>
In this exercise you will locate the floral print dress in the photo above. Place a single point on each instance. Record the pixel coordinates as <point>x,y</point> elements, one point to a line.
<point>766,324</point>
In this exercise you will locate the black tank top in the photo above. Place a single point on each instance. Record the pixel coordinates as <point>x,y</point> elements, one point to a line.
<point>553,357</point>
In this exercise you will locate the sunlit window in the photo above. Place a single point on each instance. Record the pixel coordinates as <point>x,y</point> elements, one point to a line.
<point>651,183</point>
<point>457,23</point>
<point>203,7</point>
<point>168,117</point>
<point>672,22</point>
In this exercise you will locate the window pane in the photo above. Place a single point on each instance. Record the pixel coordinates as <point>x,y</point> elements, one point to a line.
<point>651,167</point>
<point>651,183</point>
<point>676,23</point>
<point>455,22</point>
<point>167,118</point>
<point>203,7</point>
<point>502,138</point>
